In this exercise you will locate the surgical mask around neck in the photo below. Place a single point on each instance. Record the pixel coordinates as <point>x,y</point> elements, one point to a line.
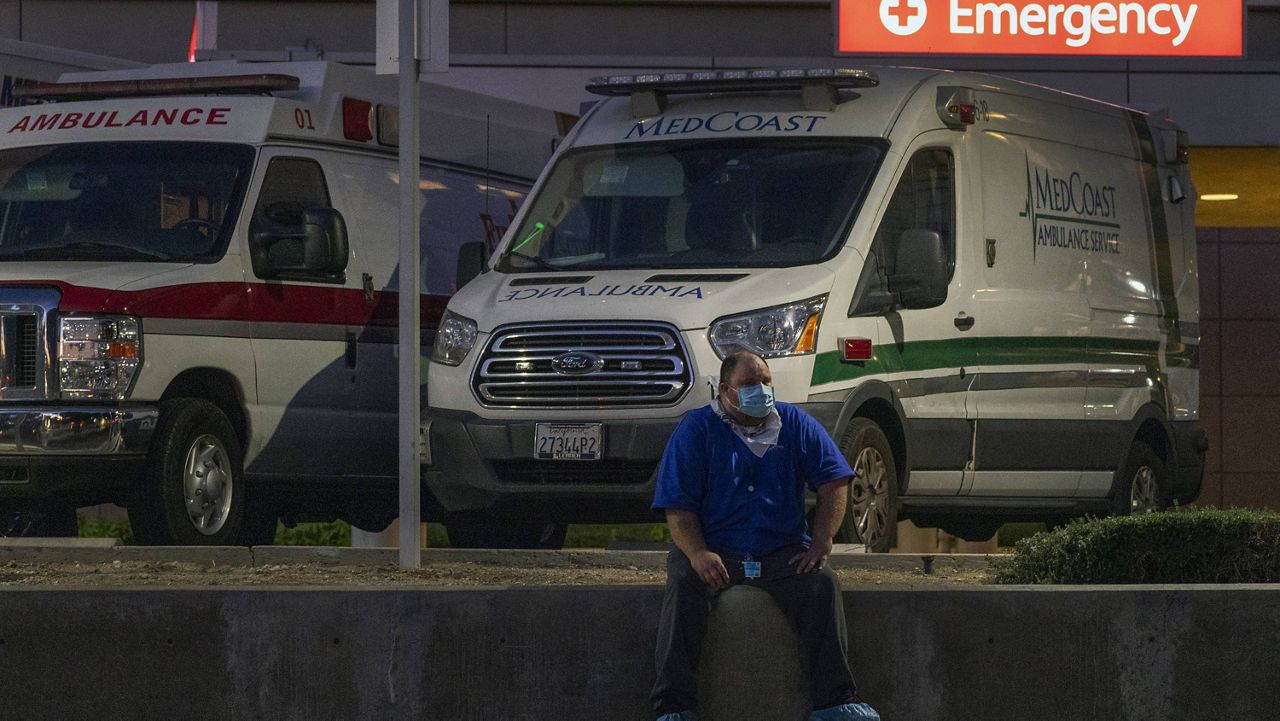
<point>755,401</point>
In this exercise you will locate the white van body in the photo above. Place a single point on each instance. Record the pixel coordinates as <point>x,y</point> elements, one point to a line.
<point>230,252</point>
<point>1053,374</point>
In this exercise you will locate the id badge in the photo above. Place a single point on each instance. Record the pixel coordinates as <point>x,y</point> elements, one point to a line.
<point>751,569</point>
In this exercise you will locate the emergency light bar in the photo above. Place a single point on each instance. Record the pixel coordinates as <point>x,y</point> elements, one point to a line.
<point>264,83</point>
<point>648,91</point>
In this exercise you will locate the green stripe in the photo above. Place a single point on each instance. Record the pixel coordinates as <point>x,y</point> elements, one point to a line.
<point>999,351</point>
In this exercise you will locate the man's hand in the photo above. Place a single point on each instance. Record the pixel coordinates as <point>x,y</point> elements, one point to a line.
<point>710,568</point>
<point>814,558</point>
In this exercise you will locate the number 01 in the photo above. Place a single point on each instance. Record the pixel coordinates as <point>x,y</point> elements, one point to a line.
<point>302,117</point>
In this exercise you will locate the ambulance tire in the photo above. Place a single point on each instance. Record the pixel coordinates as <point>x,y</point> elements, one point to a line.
<point>871,516</point>
<point>473,530</point>
<point>194,447</point>
<point>1144,484</point>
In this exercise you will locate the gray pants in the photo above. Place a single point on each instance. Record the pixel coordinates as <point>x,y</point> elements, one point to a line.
<point>812,602</point>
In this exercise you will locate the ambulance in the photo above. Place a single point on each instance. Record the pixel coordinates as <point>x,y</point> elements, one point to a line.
<point>985,290</point>
<point>198,288</point>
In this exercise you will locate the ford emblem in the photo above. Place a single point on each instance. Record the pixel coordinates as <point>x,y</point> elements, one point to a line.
<point>577,363</point>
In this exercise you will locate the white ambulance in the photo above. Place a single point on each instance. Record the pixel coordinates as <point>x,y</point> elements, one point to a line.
<point>198,288</point>
<point>985,290</point>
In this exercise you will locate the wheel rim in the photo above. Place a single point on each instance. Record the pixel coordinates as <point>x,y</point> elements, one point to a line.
<point>207,477</point>
<point>869,496</point>
<point>1144,492</point>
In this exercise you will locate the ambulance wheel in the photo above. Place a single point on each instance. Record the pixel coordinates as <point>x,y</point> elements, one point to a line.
<point>192,492</point>
<point>1143,485</point>
<point>472,530</point>
<point>871,516</point>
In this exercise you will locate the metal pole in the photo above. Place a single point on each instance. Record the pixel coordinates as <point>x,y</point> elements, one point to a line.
<point>409,286</point>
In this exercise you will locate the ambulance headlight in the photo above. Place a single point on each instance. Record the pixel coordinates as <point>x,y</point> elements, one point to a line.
<point>454,339</point>
<point>98,356</point>
<point>772,332</point>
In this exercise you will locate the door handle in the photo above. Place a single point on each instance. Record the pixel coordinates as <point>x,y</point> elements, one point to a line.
<point>964,322</point>
<point>351,349</point>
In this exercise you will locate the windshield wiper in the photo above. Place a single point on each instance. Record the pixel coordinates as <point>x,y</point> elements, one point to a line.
<point>68,249</point>
<point>533,259</point>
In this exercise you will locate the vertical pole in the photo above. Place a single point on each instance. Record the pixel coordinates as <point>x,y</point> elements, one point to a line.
<point>409,286</point>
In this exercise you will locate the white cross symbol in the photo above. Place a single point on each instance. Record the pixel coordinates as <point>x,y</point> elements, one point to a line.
<point>903,17</point>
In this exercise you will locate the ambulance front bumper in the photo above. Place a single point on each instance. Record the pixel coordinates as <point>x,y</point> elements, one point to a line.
<point>479,464</point>
<point>89,453</point>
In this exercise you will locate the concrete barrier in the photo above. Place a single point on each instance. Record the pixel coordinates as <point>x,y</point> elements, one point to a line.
<point>544,654</point>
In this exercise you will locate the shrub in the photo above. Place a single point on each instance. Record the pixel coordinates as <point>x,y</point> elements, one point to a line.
<point>1204,545</point>
<point>95,528</point>
<point>334,533</point>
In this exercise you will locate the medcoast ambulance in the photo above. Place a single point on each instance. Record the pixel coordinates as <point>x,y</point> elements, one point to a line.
<point>985,290</point>
<point>198,288</point>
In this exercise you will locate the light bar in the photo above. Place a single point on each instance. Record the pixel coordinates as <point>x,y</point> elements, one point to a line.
<point>264,83</point>
<point>709,81</point>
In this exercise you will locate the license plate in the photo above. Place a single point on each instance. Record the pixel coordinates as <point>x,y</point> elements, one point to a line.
<point>568,441</point>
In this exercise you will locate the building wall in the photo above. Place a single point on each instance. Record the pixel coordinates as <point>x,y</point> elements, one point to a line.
<point>1239,372</point>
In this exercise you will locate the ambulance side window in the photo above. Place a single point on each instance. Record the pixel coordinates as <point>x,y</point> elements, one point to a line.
<point>290,186</point>
<point>923,200</point>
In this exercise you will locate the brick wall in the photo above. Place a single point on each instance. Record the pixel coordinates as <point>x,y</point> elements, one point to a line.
<point>1240,365</point>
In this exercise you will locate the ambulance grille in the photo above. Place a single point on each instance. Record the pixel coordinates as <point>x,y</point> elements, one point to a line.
<point>583,365</point>
<point>21,348</point>
<point>25,317</point>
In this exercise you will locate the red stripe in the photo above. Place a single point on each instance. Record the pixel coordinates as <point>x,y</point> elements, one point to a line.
<point>254,302</point>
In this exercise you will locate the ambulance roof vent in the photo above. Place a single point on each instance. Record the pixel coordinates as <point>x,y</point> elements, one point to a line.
<point>219,85</point>
<point>819,87</point>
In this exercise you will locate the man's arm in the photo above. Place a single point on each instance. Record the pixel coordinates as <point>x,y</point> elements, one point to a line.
<point>832,499</point>
<point>686,531</point>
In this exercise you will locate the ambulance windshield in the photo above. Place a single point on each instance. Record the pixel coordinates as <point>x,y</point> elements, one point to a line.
<point>158,202</point>
<point>738,203</point>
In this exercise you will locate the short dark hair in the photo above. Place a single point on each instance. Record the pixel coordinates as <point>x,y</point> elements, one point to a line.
<point>731,361</point>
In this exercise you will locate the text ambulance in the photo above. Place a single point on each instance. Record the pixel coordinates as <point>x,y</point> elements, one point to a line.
<point>198,283</point>
<point>985,290</point>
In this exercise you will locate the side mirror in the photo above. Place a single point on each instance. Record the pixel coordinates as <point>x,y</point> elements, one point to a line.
<point>922,270</point>
<point>325,247</point>
<point>872,296</point>
<point>312,241</point>
<point>471,261</point>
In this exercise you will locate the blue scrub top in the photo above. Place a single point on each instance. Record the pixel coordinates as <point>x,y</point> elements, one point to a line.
<point>747,504</point>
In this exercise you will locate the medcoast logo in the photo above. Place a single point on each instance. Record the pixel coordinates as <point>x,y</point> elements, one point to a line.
<point>724,122</point>
<point>1071,213</point>
<point>647,290</point>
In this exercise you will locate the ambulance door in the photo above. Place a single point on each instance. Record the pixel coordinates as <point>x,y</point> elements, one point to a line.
<point>926,350</point>
<point>459,207</point>
<point>1032,319</point>
<point>299,328</point>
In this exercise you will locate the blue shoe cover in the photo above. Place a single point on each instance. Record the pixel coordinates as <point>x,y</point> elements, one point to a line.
<point>846,712</point>
<point>681,716</point>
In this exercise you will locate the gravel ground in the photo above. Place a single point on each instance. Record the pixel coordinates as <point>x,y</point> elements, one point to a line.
<point>136,573</point>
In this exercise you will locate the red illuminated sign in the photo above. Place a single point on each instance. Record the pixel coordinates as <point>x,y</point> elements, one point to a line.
<point>1040,27</point>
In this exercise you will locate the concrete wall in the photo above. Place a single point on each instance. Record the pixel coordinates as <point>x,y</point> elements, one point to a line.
<point>1121,653</point>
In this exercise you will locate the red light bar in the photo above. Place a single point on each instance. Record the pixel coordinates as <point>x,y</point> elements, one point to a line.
<point>856,349</point>
<point>264,83</point>
<point>357,119</point>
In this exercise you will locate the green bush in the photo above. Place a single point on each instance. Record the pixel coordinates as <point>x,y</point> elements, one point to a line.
<point>601,535</point>
<point>335,533</point>
<point>94,528</point>
<point>1204,545</point>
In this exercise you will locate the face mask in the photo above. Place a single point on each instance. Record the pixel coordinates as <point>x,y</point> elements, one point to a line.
<point>755,401</point>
